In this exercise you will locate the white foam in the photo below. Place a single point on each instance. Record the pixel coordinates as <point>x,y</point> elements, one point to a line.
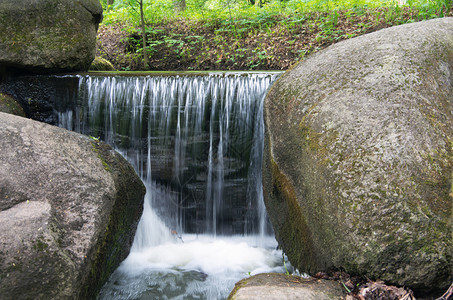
<point>201,267</point>
<point>209,255</point>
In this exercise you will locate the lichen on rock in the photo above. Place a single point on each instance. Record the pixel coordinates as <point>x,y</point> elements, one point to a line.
<point>362,131</point>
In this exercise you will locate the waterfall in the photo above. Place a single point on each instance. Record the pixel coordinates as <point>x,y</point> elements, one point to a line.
<point>196,142</point>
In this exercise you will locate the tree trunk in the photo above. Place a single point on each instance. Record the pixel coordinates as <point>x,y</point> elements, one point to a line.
<point>109,4</point>
<point>180,5</point>
<point>143,28</point>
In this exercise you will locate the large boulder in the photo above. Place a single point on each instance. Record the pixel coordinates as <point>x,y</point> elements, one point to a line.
<point>358,157</point>
<point>69,207</point>
<point>48,36</point>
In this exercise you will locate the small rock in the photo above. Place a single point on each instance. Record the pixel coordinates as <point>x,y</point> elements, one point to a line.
<point>269,286</point>
<point>101,64</point>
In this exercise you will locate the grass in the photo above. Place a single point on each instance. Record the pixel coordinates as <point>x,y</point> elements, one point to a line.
<point>234,35</point>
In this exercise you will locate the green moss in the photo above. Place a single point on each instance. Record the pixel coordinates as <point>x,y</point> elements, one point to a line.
<point>101,64</point>
<point>237,287</point>
<point>295,235</point>
<point>317,143</point>
<point>10,106</point>
<point>95,143</point>
<point>114,244</point>
<point>434,183</point>
<point>40,244</point>
<point>62,38</point>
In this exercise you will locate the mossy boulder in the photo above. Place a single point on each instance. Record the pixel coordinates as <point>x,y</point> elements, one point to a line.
<point>69,208</point>
<point>10,106</point>
<point>48,36</point>
<point>101,64</point>
<point>358,157</point>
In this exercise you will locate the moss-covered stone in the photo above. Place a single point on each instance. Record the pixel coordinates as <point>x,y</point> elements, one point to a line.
<point>101,64</point>
<point>48,36</point>
<point>116,242</point>
<point>10,106</point>
<point>357,164</point>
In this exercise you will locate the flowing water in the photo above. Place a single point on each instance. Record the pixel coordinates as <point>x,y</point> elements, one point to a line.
<point>196,142</point>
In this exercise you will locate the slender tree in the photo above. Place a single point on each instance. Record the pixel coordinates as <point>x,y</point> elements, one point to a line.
<point>143,29</point>
<point>133,5</point>
<point>180,5</point>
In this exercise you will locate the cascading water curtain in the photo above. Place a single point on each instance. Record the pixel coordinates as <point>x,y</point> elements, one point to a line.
<point>196,142</point>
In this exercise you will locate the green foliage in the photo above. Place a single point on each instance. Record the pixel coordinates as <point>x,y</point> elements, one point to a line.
<point>284,264</point>
<point>233,34</point>
<point>215,11</point>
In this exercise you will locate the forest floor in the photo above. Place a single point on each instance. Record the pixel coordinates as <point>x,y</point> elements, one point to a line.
<point>269,42</point>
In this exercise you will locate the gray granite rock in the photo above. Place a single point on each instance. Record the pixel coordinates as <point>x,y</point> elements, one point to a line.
<point>273,286</point>
<point>48,36</point>
<point>69,207</point>
<point>358,157</point>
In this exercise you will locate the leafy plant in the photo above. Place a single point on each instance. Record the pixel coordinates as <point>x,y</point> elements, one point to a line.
<point>233,34</point>
<point>284,264</point>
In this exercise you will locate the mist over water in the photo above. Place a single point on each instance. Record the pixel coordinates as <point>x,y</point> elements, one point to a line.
<point>197,144</point>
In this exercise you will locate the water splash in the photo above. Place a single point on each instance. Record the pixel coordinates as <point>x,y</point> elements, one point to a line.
<point>200,268</point>
<point>197,144</point>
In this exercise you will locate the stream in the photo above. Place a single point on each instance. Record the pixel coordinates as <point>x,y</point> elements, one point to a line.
<point>196,141</point>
